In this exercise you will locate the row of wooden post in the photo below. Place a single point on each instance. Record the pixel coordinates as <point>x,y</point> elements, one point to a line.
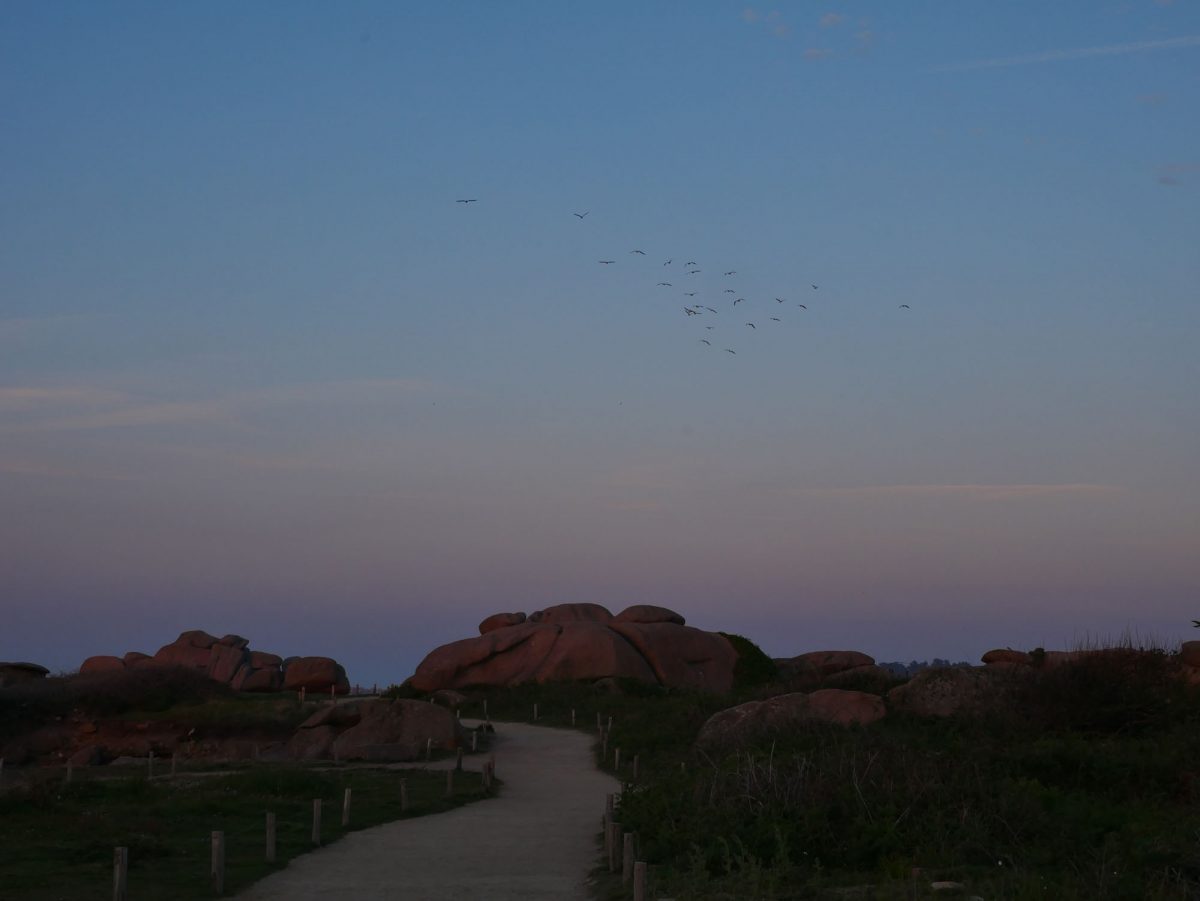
<point>620,849</point>
<point>217,870</point>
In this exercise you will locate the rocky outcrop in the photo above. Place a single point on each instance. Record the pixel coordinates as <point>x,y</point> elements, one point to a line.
<point>826,663</point>
<point>375,730</point>
<point>948,691</point>
<point>231,660</point>
<point>101,664</point>
<point>571,642</point>
<point>500,620</point>
<point>753,720</point>
<point>1189,653</point>
<point>15,673</point>
<point>1006,656</point>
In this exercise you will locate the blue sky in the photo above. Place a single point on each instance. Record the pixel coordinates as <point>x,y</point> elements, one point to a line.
<point>259,372</point>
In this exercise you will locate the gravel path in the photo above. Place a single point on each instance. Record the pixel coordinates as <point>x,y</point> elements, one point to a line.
<point>537,840</point>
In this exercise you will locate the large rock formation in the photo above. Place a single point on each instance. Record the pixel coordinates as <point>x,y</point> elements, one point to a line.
<point>14,673</point>
<point>230,660</point>
<point>376,730</point>
<point>571,642</point>
<point>755,719</point>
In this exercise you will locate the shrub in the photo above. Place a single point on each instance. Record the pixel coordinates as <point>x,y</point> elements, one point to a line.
<point>753,666</point>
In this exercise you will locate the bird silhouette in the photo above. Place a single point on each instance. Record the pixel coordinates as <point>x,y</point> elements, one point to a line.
<point>730,291</point>
<point>731,272</point>
<point>690,311</point>
<point>752,325</point>
<point>668,262</point>
<point>710,327</point>
<point>802,306</point>
<point>728,351</point>
<point>814,287</point>
<point>690,293</point>
<point>778,300</point>
<point>706,341</point>
<point>905,306</point>
<point>691,263</point>
<point>606,262</point>
<point>668,284</point>
<point>776,319</point>
<point>581,215</point>
<point>472,200</point>
<point>739,300</point>
<point>710,309</point>
<point>693,271</point>
<point>642,252</point>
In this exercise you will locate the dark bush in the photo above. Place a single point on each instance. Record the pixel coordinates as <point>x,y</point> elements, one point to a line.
<point>753,666</point>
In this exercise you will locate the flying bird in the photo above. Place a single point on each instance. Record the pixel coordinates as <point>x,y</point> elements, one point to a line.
<point>690,293</point>
<point>710,327</point>
<point>581,215</point>
<point>778,300</point>
<point>706,341</point>
<point>668,284</point>
<point>691,263</point>
<point>752,325</point>
<point>472,200</point>
<point>802,306</point>
<point>814,287</point>
<point>728,351</point>
<point>710,309</point>
<point>642,252</point>
<point>606,262</point>
<point>905,306</point>
<point>690,311</point>
<point>776,319</point>
<point>668,262</point>
<point>739,300</point>
<point>693,271</point>
<point>731,272</point>
<point>730,291</point>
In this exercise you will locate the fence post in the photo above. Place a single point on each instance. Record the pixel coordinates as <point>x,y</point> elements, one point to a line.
<point>627,853</point>
<point>302,693</point>
<point>617,759</point>
<point>614,847</point>
<point>173,756</point>
<point>599,727</point>
<point>474,740</point>
<point>449,783</point>
<point>639,881</point>
<point>610,722</point>
<point>604,747</point>
<point>150,766</point>
<point>120,874</point>
<point>218,862</point>
<point>403,795</point>
<point>69,771</point>
<point>316,824</point>
<point>458,761</point>
<point>572,717</point>
<point>270,837</point>
<point>485,715</point>
<point>346,808</point>
<point>428,749</point>
<point>635,766</point>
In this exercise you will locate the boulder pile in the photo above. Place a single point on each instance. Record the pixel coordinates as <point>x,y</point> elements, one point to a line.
<point>571,642</point>
<point>15,673</point>
<point>230,660</point>
<point>376,730</point>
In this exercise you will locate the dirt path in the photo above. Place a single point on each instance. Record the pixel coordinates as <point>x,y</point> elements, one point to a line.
<point>537,840</point>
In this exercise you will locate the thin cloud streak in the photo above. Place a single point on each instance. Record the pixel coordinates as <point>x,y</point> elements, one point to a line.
<point>1050,56</point>
<point>970,492</point>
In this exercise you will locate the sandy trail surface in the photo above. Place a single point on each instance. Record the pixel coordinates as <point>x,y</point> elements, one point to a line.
<point>536,840</point>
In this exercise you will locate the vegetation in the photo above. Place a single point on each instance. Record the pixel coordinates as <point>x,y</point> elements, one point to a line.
<point>66,832</point>
<point>1073,781</point>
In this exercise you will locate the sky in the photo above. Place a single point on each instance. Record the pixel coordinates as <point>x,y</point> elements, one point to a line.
<point>262,373</point>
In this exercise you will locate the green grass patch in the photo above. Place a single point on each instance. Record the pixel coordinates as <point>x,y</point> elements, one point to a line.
<point>60,837</point>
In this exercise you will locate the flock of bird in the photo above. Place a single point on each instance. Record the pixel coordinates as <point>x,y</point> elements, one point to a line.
<point>693,308</point>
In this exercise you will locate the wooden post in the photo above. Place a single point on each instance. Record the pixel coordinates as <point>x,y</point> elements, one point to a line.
<point>627,853</point>
<point>599,728</point>
<point>270,837</point>
<point>610,722</point>
<point>428,749</point>
<point>535,716</point>
<point>316,824</point>
<point>572,717</point>
<point>617,759</point>
<point>635,766</point>
<point>302,692</point>
<point>173,756</point>
<point>485,715</point>
<point>614,847</point>
<point>346,808</point>
<point>458,714</point>
<point>333,694</point>
<point>474,740</point>
<point>69,771</point>
<point>458,761</point>
<point>639,881</point>
<point>682,767</point>
<point>604,747</point>
<point>120,874</point>
<point>150,765</point>
<point>218,862</point>
<point>403,795</point>
<point>610,805</point>
<point>449,783</point>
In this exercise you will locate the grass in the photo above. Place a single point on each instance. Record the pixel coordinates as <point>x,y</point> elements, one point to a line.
<point>66,832</point>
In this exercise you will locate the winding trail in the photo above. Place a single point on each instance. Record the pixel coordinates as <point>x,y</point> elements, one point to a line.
<point>536,840</point>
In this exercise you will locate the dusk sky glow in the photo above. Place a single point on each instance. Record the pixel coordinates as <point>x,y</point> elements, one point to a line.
<point>260,373</point>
